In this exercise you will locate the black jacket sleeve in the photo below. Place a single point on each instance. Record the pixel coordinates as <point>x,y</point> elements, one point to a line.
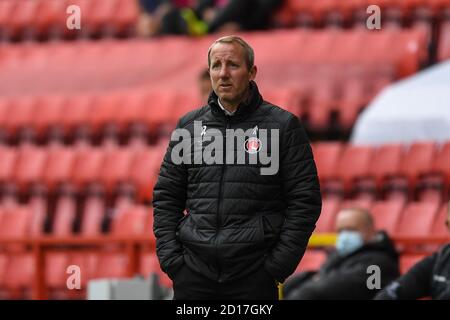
<point>169,202</point>
<point>414,284</point>
<point>348,282</point>
<point>303,200</point>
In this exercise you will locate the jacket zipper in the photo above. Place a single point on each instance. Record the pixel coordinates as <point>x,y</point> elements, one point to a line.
<point>219,203</point>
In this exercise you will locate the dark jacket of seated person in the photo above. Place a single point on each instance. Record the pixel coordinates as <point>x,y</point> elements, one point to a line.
<point>347,272</point>
<point>430,277</point>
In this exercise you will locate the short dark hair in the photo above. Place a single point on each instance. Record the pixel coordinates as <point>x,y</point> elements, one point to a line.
<point>249,53</point>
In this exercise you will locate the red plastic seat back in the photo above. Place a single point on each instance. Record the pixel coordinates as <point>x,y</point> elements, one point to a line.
<point>311,261</point>
<point>327,217</point>
<point>326,155</point>
<point>417,219</point>
<point>386,215</point>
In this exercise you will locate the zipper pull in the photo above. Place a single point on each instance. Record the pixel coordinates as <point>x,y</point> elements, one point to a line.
<point>203,131</point>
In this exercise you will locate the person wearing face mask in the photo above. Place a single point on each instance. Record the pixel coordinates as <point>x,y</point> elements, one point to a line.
<point>344,275</point>
<point>430,277</point>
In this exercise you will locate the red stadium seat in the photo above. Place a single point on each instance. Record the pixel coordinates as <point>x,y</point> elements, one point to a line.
<point>112,265</point>
<point>76,112</point>
<point>441,163</point>
<point>3,264</point>
<point>326,155</point>
<point>132,221</point>
<point>101,16</point>
<point>145,170</point>
<point>311,261</point>
<point>93,215</point>
<point>49,21</point>
<point>326,222</point>
<point>88,164</point>
<point>8,156</point>
<point>117,166</point>
<point>30,165</point>
<point>47,112</point>
<point>55,271</point>
<point>126,16</point>
<point>357,203</point>
<point>15,222</point>
<point>354,164</point>
<point>22,17</point>
<point>385,162</point>
<point>105,107</point>
<point>150,264</point>
<point>4,108</point>
<point>185,102</point>
<point>130,114</point>
<point>323,103</point>
<point>65,214</point>
<point>159,108</point>
<point>417,161</point>
<point>352,102</point>
<point>20,114</point>
<point>20,271</point>
<point>444,41</point>
<point>38,206</point>
<point>417,219</point>
<point>59,166</point>
<point>387,214</point>
<point>7,8</point>
<point>288,99</point>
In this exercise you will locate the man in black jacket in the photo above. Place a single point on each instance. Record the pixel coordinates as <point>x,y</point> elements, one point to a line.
<point>429,278</point>
<point>362,255</point>
<point>242,171</point>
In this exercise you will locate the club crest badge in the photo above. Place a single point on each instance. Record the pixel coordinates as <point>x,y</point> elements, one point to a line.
<point>252,145</point>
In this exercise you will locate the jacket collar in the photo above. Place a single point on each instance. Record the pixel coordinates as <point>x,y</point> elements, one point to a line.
<point>244,109</point>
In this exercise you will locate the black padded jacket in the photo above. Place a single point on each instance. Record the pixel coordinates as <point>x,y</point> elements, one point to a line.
<point>429,278</point>
<point>225,220</point>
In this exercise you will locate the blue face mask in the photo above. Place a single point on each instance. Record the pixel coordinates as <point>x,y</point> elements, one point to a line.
<point>348,242</point>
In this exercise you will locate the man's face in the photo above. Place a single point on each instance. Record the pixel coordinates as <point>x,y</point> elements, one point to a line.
<point>353,220</point>
<point>229,74</point>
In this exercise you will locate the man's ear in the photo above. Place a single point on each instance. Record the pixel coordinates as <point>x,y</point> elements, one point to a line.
<point>253,72</point>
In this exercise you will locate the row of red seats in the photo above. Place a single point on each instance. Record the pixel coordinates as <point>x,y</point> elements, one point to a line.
<point>137,220</point>
<point>17,272</point>
<point>317,12</point>
<point>28,166</point>
<point>317,74</point>
<point>444,42</point>
<point>17,267</point>
<point>399,219</point>
<point>127,113</point>
<point>47,18</point>
<point>351,168</point>
<point>342,168</point>
<point>301,57</point>
<point>313,259</point>
<point>21,221</point>
<point>118,113</point>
